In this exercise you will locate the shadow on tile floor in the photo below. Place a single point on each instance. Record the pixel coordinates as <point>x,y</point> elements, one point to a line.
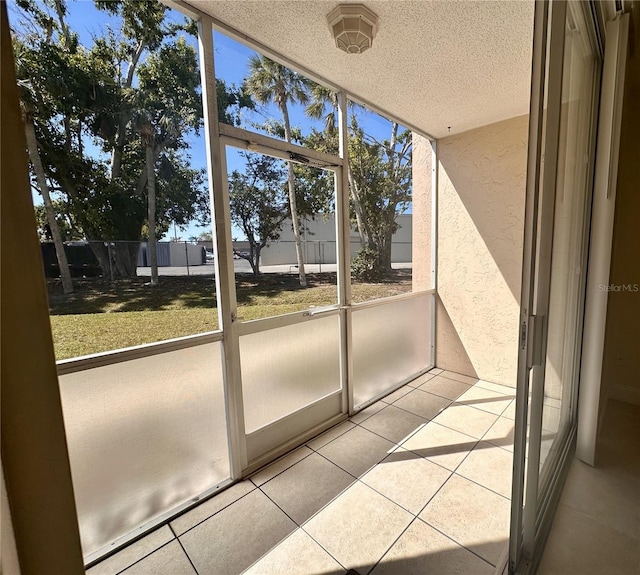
<point>401,488</point>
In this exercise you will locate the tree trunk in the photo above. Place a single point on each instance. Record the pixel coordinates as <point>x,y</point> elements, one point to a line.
<point>357,208</point>
<point>151,207</point>
<point>256,261</point>
<point>292,203</point>
<point>34,156</point>
<point>386,251</point>
<point>118,148</point>
<point>102,253</point>
<point>125,256</point>
<point>118,259</point>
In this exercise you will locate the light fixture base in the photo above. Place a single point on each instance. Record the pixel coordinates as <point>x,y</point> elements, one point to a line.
<point>354,27</point>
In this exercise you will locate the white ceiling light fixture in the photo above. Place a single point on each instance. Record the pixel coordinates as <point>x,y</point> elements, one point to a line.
<point>354,26</point>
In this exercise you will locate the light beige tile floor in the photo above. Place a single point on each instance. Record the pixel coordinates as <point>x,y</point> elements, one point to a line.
<point>415,483</point>
<point>596,528</point>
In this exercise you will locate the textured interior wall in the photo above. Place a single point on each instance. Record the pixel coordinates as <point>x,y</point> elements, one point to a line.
<point>621,368</point>
<point>422,212</point>
<point>481,194</point>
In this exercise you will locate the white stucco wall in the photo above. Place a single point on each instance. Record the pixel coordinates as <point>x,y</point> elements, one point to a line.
<point>422,206</point>
<point>481,193</point>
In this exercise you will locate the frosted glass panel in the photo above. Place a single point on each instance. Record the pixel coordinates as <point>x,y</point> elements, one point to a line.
<point>390,343</point>
<point>144,436</point>
<point>287,368</point>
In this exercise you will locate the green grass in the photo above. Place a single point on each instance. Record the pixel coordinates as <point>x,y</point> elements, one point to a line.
<point>101,317</point>
<point>83,334</point>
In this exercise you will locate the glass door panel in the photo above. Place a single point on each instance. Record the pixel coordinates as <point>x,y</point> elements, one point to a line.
<point>569,236</point>
<point>288,321</point>
<point>559,188</point>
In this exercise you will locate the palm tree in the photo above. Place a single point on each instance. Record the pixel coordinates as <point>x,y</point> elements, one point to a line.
<point>324,104</point>
<point>321,99</point>
<point>267,82</point>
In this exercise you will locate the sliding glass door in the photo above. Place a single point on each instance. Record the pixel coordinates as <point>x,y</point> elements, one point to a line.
<point>559,191</point>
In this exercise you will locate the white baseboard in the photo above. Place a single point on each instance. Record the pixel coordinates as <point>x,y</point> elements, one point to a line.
<point>626,393</point>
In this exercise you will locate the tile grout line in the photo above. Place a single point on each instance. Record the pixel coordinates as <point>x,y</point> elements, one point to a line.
<point>444,396</point>
<point>327,431</point>
<point>438,464</point>
<point>322,547</point>
<point>491,442</point>
<point>478,382</point>
<point>184,550</point>
<point>392,544</point>
<point>406,437</point>
<point>250,478</point>
<point>216,513</point>
<point>359,479</point>
<point>422,416</point>
<point>141,558</point>
<point>475,439</point>
<point>368,416</point>
<point>338,466</point>
<point>456,542</point>
<point>483,486</point>
<point>435,494</point>
<point>397,445</point>
<point>427,420</point>
<point>301,526</point>
<point>484,410</point>
<point>356,480</point>
<point>452,402</point>
<point>398,504</point>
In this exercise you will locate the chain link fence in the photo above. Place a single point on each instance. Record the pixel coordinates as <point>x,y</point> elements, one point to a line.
<point>113,259</point>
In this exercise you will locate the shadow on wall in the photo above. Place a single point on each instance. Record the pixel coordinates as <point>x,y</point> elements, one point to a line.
<point>487,168</point>
<point>481,200</point>
<point>449,347</point>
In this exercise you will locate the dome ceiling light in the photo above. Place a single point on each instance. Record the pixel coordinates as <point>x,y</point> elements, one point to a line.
<point>354,26</point>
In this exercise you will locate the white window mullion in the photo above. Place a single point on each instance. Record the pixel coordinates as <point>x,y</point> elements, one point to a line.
<point>344,253</point>
<point>223,254</point>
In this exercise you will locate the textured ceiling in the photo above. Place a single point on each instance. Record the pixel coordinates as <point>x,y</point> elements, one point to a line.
<point>434,64</point>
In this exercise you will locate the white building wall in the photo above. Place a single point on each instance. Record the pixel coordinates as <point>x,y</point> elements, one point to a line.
<point>182,254</point>
<point>319,242</point>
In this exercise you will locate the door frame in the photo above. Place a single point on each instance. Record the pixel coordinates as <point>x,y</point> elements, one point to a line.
<point>268,441</point>
<point>531,511</point>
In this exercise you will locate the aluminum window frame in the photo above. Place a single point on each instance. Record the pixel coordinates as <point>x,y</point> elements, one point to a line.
<point>217,136</point>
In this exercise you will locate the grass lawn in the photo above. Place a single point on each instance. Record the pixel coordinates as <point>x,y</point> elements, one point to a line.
<point>101,316</point>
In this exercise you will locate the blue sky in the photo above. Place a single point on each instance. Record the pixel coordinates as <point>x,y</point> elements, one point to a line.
<point>231,63</point>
